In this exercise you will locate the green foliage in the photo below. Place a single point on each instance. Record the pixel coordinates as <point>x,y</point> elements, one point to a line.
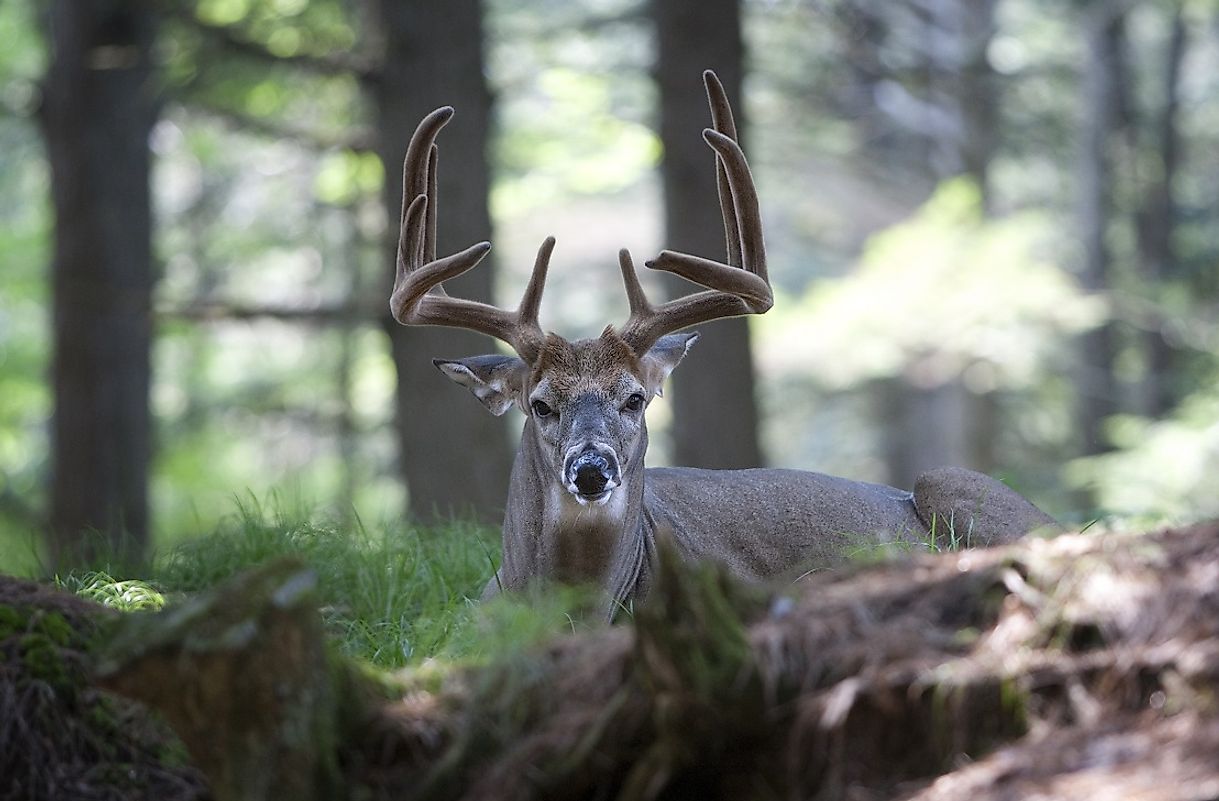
<point>948,291</point>
<point>512,624</point>
<point>400,595</point>
<point>567,139</point>
<point>41,638</point>
<point>386,595</point>
<point>267,194</point>
<point>1163,470</point>
<point>24,315</point>
<point>131,595</point>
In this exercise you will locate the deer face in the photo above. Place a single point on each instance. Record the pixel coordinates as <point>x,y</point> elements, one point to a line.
<point>585,401</point>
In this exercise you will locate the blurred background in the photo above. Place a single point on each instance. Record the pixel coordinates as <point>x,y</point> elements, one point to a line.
<point>993,229</point>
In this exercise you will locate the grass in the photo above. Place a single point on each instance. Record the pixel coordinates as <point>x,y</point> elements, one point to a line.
<point>394,596</point>
<point>20,550</point>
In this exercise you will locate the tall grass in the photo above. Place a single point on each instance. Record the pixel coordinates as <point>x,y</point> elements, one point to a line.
<point>394,595</point>
<point>388,595</point>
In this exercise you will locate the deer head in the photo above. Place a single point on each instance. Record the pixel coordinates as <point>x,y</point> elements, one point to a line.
<point>585,399</point>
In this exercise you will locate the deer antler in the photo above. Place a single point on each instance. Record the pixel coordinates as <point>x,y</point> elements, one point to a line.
<point>418,297</point>
<point>739,287</point>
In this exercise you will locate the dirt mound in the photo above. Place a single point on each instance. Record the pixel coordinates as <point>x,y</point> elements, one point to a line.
<point>1086,666</point>
<point>1079,667</point>
<point>61,738</point>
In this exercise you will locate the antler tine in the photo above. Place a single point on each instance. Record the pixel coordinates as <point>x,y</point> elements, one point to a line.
<point>740,286</point>
<point>722,121</point>
<point>430,227</point>
<point>531,301</point>
<point>634,291</point>
<point>418,296</point>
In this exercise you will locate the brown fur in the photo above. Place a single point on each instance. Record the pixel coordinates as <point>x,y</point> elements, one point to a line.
<point>585,364</point>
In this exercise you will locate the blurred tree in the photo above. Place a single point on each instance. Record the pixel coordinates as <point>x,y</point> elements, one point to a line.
<point>100,101</point>
<point>454,456</point>
<point>931,418</point>
<point>924,101</point>
<point>1103,103</point>
<point>425,56</point>
<point>715,416</point>
<point>1157,222</point>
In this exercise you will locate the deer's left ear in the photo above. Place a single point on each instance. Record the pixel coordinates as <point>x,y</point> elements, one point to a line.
<point>496,380</point>
<point>664,356</point>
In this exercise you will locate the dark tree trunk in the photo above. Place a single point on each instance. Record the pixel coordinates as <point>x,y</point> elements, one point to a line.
<point>455,457</point>
<point>100,103</point>
<point>715,417</point>
<point>1157,221</point>
<point>932,425</point>
<point>1104,24</point>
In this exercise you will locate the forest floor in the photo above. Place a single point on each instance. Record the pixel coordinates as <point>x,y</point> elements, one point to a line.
<point>1083,666</point>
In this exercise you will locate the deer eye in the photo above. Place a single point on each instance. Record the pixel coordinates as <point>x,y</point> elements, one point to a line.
<point>541,408</point>
<point>633,403</point>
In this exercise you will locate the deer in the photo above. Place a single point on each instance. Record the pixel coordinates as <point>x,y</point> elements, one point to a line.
<point>581,505</point>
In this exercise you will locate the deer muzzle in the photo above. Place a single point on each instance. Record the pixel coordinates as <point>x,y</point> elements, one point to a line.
<point>592,473</point>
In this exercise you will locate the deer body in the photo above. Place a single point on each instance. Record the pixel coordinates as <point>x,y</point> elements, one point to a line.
<point>760,523</point>
<point>581,505</point>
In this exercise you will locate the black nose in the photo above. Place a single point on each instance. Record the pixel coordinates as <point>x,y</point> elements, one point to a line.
<point>592,473</point>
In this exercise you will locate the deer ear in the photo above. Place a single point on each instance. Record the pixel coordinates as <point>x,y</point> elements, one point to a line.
<point>664,356</point>
<point>496,380</point>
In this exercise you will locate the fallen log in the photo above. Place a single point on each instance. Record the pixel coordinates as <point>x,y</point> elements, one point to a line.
<point>1049,667</point>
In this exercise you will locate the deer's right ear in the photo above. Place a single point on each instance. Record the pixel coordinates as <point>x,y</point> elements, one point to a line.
<point>496,380</point>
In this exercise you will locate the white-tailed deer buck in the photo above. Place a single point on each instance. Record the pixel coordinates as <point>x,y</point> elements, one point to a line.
<point>581,506</point>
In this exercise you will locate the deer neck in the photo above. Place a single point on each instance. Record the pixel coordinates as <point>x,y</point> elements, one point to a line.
<point>548,533</point>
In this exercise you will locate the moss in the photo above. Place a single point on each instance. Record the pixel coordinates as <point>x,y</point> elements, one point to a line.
<point>42,641</point>
<point>12,621</point>
<point>42,661</point>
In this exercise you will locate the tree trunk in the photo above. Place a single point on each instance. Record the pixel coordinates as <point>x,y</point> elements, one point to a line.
<point>1096,386</point>
<point>715,416</point>
<point>945,424</point>
<point>1157,221</point>
<point>455,457</point>
<point>100,103</point>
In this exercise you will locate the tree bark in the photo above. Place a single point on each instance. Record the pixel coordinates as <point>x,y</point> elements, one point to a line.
<point>100,103</point>
<point>715,416</point>
<point>1157,221</point>
<point>1096,386</point>
<point>455,457</point>
<point>944,423</point>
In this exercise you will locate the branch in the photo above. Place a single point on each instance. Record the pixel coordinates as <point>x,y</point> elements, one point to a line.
<point>350,313</point>
<point>237,40</point>
<point>361,141</point>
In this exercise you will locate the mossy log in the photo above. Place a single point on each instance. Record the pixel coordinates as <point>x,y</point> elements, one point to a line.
<point>1087,662</point>
<point>243,675</point>
<point>61,737</point>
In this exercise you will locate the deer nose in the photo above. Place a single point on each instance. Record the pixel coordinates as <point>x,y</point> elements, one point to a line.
<point>591,472</point>
<point>591,477</point>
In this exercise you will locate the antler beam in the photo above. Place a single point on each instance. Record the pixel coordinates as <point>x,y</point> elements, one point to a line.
<point>418,297</point>
<point>740,286</point>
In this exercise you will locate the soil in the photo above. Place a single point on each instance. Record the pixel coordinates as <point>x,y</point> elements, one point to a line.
<point>1080,667</point>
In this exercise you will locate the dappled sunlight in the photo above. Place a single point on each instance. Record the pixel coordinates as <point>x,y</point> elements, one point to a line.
<point>568,141</point>
<point>1163,469</point>
<point>944,295</point>
<point>271,366</point>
